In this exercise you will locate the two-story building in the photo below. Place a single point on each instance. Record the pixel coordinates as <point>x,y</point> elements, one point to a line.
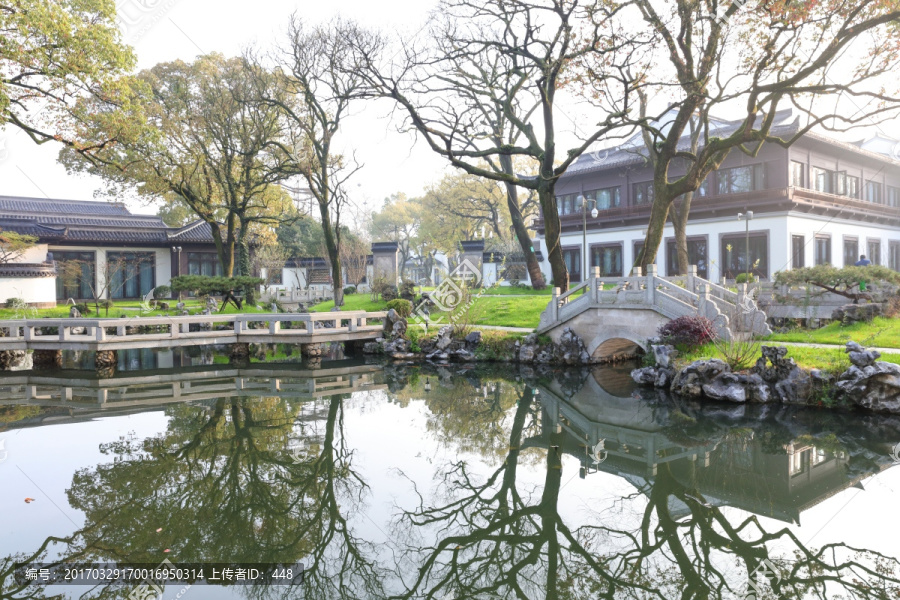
<point>818,201</point>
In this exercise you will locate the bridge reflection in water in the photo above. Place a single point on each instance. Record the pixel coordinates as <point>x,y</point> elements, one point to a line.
<point>739,468</point>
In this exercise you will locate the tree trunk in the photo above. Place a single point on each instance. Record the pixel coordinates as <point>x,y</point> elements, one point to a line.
<point>679,222</point>
<point>659,212</point>
<point>518,223</point>
<point>551,236</point>
<point>243,248</point>
<point>334,256</point>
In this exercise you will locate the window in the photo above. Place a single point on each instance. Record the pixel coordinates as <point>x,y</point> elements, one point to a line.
<point>75,275</point>
<point>606,198</point>
<point>823,180</point>
<point>734,254</point>
<point>894,255</point>
<point>851,251</point>
<point>204,263</point>
<point>697,255</point>
<point>851,189</point>
<point>798,251</point>
<point>642,193</point>
<point>798,170</point>
<point>703,190</point>
<point>638,248</point>
<point>874,251</point>
<point>823,250</point>
<point>893,196</point>
<point>132,274</point>
<point>873,192</point>
<point>609,258</point>
<point>572,258</point>
<point>741,179</point>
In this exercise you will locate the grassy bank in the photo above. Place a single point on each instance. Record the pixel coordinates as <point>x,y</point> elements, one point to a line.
<point>523,310</point>
<point>832,360</point>
<point>881,333</point>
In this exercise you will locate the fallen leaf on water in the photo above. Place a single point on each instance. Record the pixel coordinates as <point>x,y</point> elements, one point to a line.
<point>158,530</point>
<point>29,500</point>
<point>166,551</point>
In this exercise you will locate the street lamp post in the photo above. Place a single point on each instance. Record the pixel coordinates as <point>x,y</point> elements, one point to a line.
<point>594,213</point>
<point>746,217</point>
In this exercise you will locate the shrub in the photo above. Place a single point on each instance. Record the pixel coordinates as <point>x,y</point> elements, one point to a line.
<point>403,307</point>
<point>107,304</point>
<point>389,292</point>
<point>689,331</point>
<point>743,278</point>
<point>350,289</point>
<point>16,303</point>
<point>83,308</point>
<point>162,292</point>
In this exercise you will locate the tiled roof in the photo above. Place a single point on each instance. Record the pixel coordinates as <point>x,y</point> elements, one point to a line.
<point>101,222</point>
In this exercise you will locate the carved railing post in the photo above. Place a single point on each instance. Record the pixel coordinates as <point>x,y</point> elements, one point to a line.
<point>595,285</point>
<point>651,285</point>
<point>691,276</point>
<point>554,306</point>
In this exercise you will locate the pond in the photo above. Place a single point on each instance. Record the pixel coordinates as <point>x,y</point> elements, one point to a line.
<point>427,482</point>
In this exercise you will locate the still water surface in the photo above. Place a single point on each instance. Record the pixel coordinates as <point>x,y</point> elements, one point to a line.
<point>446,484</point>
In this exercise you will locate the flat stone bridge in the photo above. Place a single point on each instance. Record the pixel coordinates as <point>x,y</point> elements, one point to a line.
<point>195,330</point>
<point>615,316</point>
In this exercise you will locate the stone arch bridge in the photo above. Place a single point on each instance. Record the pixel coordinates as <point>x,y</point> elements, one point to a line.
<point>615,316</point>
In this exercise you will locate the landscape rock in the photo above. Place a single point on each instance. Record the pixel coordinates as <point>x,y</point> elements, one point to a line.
<point>571,349</point>
<point>869,384</point>
<point>855,313</point>
<point>663,373</point>
<point>443,338</point>
<point>861,357</point>
<point>473,339</point>
<point>74,313</point>
<point>690,381</point>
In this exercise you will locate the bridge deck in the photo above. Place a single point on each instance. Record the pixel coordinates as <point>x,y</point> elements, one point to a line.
<point>171,332</point>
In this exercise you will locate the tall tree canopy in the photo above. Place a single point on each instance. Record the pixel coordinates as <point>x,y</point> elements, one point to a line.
<point>51,54</point>
<point>192,131</point>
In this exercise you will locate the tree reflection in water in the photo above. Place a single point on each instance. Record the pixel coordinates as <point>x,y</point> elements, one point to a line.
<point>484,537</point>
<point>221,486</point>
<point>270,479</point>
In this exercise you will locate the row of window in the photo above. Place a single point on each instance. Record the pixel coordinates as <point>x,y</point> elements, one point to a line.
<point>738,180</point>
<point>852,251</point>
<point>735,180</point>
<point>132,274</point>
<point>609,257</point>
<point>840,183</point>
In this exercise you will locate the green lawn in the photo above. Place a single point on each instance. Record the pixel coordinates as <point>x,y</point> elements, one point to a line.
<point>881,333</point>
<point>504,311</point>
<point>833,360</point>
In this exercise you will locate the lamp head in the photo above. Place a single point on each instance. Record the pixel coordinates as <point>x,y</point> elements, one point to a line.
<point>594,213</point>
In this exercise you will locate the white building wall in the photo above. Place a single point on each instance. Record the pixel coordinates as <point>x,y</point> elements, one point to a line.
<point>34,254</point>
<point>780,227</point>
<point>34,290</point>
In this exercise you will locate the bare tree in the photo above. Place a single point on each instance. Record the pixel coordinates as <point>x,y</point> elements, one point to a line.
<point>486,90</point>
<point>270,258</point>
<point>828,61</point>
<point>317,74</point>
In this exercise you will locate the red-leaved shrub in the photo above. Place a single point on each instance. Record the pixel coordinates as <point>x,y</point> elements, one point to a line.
<point>690,331</point>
